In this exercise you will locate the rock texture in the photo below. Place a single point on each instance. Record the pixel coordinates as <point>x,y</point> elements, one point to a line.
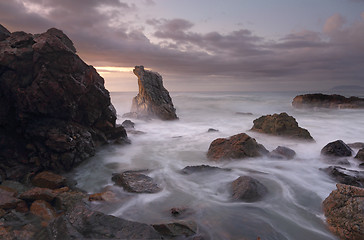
<point>282,153</point>
<point>134,181</point>
<point>360,155</point>
<point>235,147</point>
<point>54,108</point>
<point>280,125</point>
<point>344,210</point>
<point>346,176</point>
<point>327,101</point>
<point>337,149</point>
<point>153,100</point>
<point>248,189</point>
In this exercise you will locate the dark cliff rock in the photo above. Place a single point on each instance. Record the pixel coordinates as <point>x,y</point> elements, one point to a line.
<point>235,147</point>
<point>344,210</point>
<point>54,108</point>
<point>327,101</point>
<point>281,125</point>
<point>337,149</point>
<point>153,100</point>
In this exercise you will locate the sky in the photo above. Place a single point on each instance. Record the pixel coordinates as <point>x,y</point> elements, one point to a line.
<point>208,45</point>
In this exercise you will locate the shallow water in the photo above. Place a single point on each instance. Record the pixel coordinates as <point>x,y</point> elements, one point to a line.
<point>292,209</point>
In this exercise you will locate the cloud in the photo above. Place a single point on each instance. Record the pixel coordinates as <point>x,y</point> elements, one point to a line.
<point>334,23</point>
<point>107,33</point>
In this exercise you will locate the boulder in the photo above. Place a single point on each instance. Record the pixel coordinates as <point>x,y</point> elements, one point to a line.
<point>248,189</point>
<point>38,193</point>
<point>360,155</point>
<point>127,124</point>
<point>136,182</point>
<point>346,176</point>
<point>48,179</point>
<point>235,147</point>
<point>202,169</point>
<point>326,101</point>
<point>212,130</point>
<point>175,229</point>
<point>281,125</point>
<point>337,149</point>
<point>344,210</point>
<point>82,223</point>
<point>357,145</point>
<point>43,209</point>
<point>282,153</point>
<point>107,196</point>
<point>153,100</point>
<point>54,108</point>
<point>8,199</point>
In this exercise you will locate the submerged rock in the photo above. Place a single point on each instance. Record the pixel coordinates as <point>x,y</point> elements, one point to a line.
<point>54,108</point>
<point>337,149</point>
<point>281,125</point>
<point>201,168</point>
<point>175,229</point>
<point>153,100</point>
<point>326,101</point>
<point>133,181</point>
<point>344,210</point>
<point>360,155</point>
<point>127,124</point>
<point>282,153</point>
<point>212,130</point>
<point>235,147</point>
<point>346,176</point>
<point>248,189</point>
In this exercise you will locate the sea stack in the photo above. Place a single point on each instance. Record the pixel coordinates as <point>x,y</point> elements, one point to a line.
<point>153,100</point>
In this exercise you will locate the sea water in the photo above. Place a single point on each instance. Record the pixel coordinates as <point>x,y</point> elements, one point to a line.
<point>291,210</point>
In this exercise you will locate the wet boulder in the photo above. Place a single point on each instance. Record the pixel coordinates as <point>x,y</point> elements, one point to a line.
<point>344,209</point>
<point>127,124</point>
<point>202,169</point>
<point>327,101</point>
<point>153,100</point>
<point>235,147</point>
<point>282,153</point>
<point>248,189</point>
<point>177,229</point>
<point>281,125</point>
<point>360,155</point>
<point>136,182</point>
<point>337,149</point>
<point>345,176</point>
<point>48,179</point>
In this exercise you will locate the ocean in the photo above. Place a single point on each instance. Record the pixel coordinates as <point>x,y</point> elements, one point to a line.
<point>296,188</point>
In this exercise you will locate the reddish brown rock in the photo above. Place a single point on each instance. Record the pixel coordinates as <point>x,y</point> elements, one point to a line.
<point>153,100</point>
<point>235,147</point>
<point>22,207</point>
<point>344,210</point>
<point>327,101</point>
<point>43,209</point>
<point>8,199</point>
<point>38,194</point>
<point>248,189</point>
<point>48,179</point>
<point>281,125</point>
<point>107,196</point>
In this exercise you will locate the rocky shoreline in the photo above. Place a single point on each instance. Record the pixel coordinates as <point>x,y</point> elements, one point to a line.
<point>55,112</point>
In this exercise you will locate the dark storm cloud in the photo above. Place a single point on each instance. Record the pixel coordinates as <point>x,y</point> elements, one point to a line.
<point>104,36</point>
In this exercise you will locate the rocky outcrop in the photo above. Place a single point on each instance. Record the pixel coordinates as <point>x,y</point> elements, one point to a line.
<point>346,176</point>
<point>360,155</point>
<point>281,125</point>
<point>54,108</point>
<point>136,182</point>
<point>153,100</point>
<point>327,101</point>
<point>235,147</point>
<point>282,153</point>
<point>248,189</point>
<point>344,210</point>
<point>337,149</point>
